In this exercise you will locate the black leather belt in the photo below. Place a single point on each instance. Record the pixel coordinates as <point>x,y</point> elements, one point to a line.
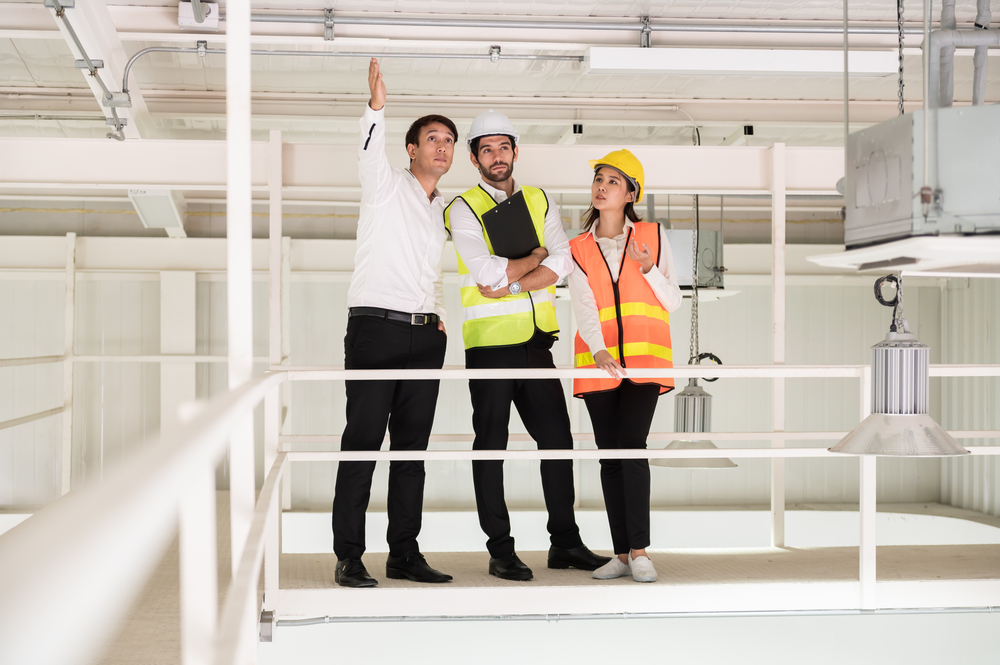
<point>393,315</point>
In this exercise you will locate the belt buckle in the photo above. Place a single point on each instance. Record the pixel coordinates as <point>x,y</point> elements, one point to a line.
<point>418,319</point>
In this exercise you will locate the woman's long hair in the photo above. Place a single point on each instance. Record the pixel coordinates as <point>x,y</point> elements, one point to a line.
<point>592,214</point>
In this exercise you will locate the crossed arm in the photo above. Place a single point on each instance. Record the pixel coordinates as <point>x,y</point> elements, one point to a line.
<point>529,272</point>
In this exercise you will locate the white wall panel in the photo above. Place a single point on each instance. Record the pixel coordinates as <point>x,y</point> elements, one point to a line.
<point>31,313</point>
<point>971,334</point>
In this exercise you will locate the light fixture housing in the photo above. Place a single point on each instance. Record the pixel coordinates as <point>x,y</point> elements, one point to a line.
<point>693,414</point>
<point>160,209</point>
<point>899,424</point>
<point>736,62</point>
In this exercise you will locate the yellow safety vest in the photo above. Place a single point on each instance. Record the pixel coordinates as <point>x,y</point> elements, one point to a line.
<point>510,320</point>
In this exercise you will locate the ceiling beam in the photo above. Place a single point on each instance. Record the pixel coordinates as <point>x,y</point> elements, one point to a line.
<point>96,33</point>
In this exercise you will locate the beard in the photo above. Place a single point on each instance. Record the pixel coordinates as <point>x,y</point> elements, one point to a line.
<point>498,176</point>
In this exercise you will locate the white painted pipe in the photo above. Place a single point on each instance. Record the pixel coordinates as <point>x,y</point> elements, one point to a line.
<point>939,39</point>
<point>946,91</point>
<point>983,17</point>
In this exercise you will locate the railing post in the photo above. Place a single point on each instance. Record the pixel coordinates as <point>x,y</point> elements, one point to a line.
<point>272,545</point>
<point>239,268</point>
<point>69,327</point>
<point>867,506</point>
<point>199,579</point>
<point>274,179</point>
<point>286,351</point>
<point>778,339</point>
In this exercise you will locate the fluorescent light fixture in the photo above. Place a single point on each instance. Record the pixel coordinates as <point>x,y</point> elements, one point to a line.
<point>737,62</point>
<point>160,209</point>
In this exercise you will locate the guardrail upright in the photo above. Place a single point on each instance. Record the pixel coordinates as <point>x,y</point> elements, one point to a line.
<point>866,505</point>
<point>778,340</point>
<point>69,327</point>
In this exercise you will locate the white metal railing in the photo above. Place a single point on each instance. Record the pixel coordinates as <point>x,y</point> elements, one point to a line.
<point>89,554</point>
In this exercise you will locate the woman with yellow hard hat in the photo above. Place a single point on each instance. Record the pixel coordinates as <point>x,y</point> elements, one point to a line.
<point>623,289</point>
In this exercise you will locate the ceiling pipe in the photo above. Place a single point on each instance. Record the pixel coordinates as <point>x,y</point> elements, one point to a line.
<point>637,26</point>
<point>202,50</point>
<point>198,10</point>
<point>946,92</point>
<point>940,39</point>
<point>983,16</point>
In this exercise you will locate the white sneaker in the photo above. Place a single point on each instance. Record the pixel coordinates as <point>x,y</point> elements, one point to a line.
<point>612,569</point>
<point>642,569</point>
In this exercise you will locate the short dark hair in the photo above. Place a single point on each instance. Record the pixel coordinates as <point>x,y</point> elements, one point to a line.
<point>475,143</point>
<point>413,133</point>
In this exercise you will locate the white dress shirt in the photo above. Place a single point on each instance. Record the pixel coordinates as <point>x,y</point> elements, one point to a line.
<point>401,234</point>
<point>663,281</point>
<point>490,270</point>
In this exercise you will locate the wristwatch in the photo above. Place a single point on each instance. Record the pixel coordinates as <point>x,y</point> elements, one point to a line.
<point>514,288</point>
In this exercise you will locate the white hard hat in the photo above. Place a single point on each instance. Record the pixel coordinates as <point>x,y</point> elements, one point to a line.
<point>490,123</point>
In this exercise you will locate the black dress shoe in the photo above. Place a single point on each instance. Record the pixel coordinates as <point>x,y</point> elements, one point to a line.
<point>413,566</point>
<point>352,573</point>
<point>510,568</point>
<point>576,557</point>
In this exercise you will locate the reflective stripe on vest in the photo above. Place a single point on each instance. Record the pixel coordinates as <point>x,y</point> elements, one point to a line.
<point>635,326</point>
<point>510,320</point>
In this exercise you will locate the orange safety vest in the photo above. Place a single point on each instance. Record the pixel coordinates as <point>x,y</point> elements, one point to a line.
<point>635,326</point>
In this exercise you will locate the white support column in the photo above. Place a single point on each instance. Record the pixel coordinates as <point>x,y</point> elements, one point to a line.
<point>177,337</point>
<point>867,506</point>
<point>69,327</point>
<point>286,351</point>
<point>574,408</point>
<point>274,179</point>
<point>272,424</point>
<point>778,339</point>
<point>239,266</point>
<point>199,577</point>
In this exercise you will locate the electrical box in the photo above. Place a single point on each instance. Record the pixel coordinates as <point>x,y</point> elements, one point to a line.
<point>710,266</point>
<point>885,172</point>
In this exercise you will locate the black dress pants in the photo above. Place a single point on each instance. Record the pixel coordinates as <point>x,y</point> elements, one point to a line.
<point>542,407</point>
<point>621,420</point>
<point>407,407</point>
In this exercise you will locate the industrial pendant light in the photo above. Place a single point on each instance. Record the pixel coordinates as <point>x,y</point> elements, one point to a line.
<point>693,406</point>
<point>899,423</point>
<point>693,414</point>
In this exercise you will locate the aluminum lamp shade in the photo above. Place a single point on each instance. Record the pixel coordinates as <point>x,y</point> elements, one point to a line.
<point>899,424</point>
<point>693,414</point>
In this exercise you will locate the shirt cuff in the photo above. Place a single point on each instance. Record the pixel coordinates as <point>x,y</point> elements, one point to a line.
<point>503,282</point>
<point>558,265</point>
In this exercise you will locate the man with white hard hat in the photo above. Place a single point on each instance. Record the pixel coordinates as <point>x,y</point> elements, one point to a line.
<point>510,321</point>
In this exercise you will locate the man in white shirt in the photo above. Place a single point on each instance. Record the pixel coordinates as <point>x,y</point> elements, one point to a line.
<point>396,321</point>
<point>510,322</point>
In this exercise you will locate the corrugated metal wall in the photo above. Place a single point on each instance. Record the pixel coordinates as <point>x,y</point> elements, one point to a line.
<point>118,404</point>
<point>971,334</point>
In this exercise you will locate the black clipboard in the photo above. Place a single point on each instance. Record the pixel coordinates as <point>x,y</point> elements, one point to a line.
<point>509,226</point>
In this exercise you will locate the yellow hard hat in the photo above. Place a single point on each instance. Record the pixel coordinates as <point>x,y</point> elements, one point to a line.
<point>628,165</point>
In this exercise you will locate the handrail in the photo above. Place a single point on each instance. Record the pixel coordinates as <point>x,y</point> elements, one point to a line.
<point>23,420</point>
<point>125,523</point>
<point>36,360</point>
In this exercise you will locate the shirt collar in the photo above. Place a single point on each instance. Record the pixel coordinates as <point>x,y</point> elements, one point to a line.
<point>494,192</point>
<point>629,225</point>
<point>416,185</point>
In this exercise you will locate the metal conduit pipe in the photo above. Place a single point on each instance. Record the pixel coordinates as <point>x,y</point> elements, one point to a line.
<point>493,56</point>
<point>198,11</point>
<point>983,17</point>
<point>638,26</point>
<point>946,92</point>
<point>631,615</point>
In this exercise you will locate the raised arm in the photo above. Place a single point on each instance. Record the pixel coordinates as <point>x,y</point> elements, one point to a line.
<point>373,166</point>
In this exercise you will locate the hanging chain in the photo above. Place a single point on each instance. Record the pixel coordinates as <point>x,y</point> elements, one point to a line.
<point>899,25</point>
<point>694,351</point>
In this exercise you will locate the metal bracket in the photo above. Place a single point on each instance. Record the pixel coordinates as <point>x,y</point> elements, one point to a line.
<point>494,53</point>
<point>82,64</point>
<point>202,48</point>
<point>267,626</point>
<point>328,25</point>
<point>60,4</point>
<point>646,34</point>
<point>120,122</point>
<point>119,100</point>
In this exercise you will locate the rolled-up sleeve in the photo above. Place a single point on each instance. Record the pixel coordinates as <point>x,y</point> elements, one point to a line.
<point>560,258</point>
<point>486,268</point>
<point>374,170</point>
